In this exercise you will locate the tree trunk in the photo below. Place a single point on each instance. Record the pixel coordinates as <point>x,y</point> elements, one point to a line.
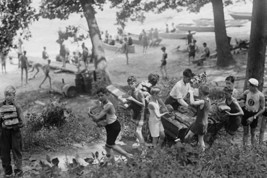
<point>224,56</point>
<point>98,52</point>
<point>257,44</point>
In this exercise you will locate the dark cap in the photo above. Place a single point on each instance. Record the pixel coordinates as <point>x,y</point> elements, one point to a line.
<point>188,73</point>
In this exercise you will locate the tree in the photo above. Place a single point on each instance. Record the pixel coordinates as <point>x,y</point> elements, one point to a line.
<point>14,15</point>
<point>131,9</point>
<point>257,44</point>
<point>63,8</point>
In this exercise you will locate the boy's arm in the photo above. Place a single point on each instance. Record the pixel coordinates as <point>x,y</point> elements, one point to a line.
<point>262,105</point>
<point>20,115</point>
<point>192,100</point>
<point>141,97</point>
<point>157,113</point>
<point>100,115</point>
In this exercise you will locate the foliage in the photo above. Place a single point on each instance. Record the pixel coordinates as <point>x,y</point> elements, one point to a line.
<point>14,15</point>
<point>222,160</point>
<point>57,126</point>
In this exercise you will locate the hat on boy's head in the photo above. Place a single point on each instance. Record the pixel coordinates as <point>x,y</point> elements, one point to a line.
<point>188,73</point>
<point>253,81</point>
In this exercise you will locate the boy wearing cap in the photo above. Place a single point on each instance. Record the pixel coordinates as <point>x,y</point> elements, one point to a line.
<point>11,118</point>
<point>234,115</point>
<point>180,90</point>
<point>254,107</point>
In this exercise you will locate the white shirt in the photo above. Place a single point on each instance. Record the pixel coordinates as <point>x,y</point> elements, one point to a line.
<point>180,90</point>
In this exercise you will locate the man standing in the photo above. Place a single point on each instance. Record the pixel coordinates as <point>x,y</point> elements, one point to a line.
<point>189,37</point>
<point>180,90</point>
<point>24,64</point>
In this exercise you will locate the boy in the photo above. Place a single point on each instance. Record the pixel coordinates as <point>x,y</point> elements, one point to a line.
<point>192,49</point>
<point>24,64</point>
<point>11,120</point>
<point>180,91</point>
<point>164,63</point>
<point>230,82</point>
<point>46,70</point>
<point>254,107</point>
<point>137,104</point>
<point>200,126</point>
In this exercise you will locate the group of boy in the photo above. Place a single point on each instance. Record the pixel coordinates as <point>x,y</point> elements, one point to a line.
<point>247,115</point>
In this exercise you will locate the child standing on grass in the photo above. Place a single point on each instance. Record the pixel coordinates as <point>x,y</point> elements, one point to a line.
<point>46,70</point>
<point>137,105</point>
<point>155,125</point>
<point>24,64</point>
<point>164,63</point>
<point>112,126</point>
<point>11,120</point>
<point>254,107</point>
<point>200,126</point>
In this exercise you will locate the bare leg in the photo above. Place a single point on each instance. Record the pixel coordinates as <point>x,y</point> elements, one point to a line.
<point>262,129</point>
<point>118,149</point>
<point>253,136</point>
<point>36,72</point>
<point>161,138</point>
<point>245,136</point>
<point>43,81</point>
<point>166,76</point>
<point>26,71</point>
<point>127,58</point>
<point>201,142</point>
<point>21,76</point>
<point>49,81</point>
<point>189,135</point>
<point>154,141</point>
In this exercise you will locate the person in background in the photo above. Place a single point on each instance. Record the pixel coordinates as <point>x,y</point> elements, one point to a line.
<point>180,90</point>
<point>85,54</point>
<point>111,41</point>
<point>164,63</point>
<point>234,116</point>
<point>173,28</point>
<point>112,127</point>
<point>125,49</point>
<point>205,55</point>
<point>200,126</point>
<point>155,125</point>
<point>20,48</point>
<point>230,82</point>
<point>24,64</point>
<point>45,54</point>
<point>3,57</point>
<point>167,28</point>
<point>11,140</point>
<point>145,41</point>
<point>254,107</point>
<point>46,70</point>
<point>130,41</point>
<point>192,49</point>
<point>36,66</point>
<point>189,37</point>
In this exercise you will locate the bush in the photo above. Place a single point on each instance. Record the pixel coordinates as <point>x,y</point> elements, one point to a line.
<point>57,126</point>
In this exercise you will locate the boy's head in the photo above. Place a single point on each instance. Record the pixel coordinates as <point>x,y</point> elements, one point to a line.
<point>102,94</point>
<point>204,44</point>
<point>187,75</point>
<point>153,79</point>
<point>155,91</point>
<point>24,52</point>
<point>44,48</point>
<point>253,84</point>
<point>163,48</point>
<point>49,61</point>
<point>10,93</point>
<point>131,81</point>
<point>204,90</point>
<point>228,91</point>
<point>230,81</point>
